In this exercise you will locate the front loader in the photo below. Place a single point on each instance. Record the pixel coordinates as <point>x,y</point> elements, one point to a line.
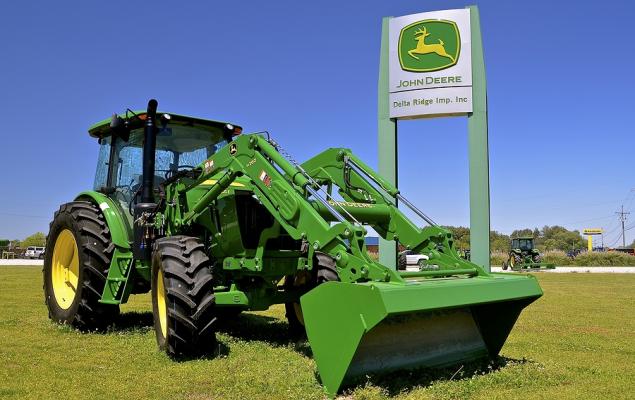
<point>214,222</point>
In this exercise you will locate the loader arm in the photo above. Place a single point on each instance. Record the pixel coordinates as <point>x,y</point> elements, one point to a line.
<point>363,188</point>
<point>291,198</point>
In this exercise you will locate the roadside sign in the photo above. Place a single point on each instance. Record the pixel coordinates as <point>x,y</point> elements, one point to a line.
<point>430,67</point>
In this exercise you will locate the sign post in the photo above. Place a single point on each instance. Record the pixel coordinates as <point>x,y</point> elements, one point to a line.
<point>432,65</point>
<point>590,232</point>
<point>387,135</point>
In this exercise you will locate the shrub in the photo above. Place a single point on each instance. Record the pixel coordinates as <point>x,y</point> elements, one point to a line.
<point>608,259</point>
<point>497,258</point>
<point>557,257</point>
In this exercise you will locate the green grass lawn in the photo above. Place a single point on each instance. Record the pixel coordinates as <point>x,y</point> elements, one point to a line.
<point>576,342</point>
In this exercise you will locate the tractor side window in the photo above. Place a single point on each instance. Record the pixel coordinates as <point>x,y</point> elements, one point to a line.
<point>129,167</point>
<point>101,174</point>
<point>126,171</point>
<point>193,158</point>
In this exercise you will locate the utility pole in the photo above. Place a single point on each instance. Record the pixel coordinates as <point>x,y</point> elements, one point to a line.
<point>623,215</point>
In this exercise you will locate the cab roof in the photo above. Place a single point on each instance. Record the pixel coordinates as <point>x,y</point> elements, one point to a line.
<point>102,128</point>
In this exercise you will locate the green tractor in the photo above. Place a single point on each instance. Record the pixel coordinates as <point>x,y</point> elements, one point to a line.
<point>213,222</point>
<point>523,255</point>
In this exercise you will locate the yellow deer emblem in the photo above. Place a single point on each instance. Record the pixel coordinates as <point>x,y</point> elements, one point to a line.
<point>423,48</point>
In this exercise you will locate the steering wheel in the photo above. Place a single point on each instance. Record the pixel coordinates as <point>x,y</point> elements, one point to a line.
<point>129,186</point>
<point>169,172</point>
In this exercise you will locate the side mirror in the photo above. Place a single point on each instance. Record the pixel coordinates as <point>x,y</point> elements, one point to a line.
<point>120,127</point>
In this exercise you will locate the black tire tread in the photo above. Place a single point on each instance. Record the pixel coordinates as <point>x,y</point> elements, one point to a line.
<point>189,294</point>
<point>325,270</point>
<point>96,246</point>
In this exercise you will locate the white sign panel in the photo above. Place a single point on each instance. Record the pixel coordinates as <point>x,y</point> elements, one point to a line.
<point>430,68</point>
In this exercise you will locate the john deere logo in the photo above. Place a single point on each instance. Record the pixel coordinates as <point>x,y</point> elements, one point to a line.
<point>429,45</point>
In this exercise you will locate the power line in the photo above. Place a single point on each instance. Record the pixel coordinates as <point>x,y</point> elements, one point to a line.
<point>615,241</point>
<point>623,215</point>
<point>587,220</point>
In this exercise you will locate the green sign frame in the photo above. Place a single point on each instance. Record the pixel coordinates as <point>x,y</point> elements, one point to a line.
<point>478,146</point>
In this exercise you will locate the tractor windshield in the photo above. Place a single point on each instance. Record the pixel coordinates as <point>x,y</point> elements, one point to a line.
<point>526,244</point>
<point>179,146</point>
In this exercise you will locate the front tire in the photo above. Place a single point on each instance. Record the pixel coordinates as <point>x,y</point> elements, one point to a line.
<point>183,301</point>
<point>76,266</point>
<point>324,270</point>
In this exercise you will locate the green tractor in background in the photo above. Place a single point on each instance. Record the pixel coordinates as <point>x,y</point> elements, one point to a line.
<point>523,255</point>
<point>213,222</point>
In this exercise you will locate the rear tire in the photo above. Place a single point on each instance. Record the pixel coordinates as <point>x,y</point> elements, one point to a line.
<point>324,270</point>
<point>76,265</point>
<point>183,301</point>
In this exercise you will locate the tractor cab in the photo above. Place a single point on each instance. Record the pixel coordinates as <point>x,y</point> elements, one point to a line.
<point>524,244</point>
<point>182,143</point>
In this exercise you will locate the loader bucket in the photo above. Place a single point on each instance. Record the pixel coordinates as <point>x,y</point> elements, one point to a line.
<point>360,328</point>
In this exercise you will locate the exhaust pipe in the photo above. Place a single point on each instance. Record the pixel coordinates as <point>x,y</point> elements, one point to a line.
<point>149,149</point>
<point>143,211</point>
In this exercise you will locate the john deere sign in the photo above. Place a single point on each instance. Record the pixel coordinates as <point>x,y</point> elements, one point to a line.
<point>430,64</point>
<point>429,45</point>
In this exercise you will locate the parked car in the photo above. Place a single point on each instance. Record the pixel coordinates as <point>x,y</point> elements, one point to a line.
<point>34,252</point>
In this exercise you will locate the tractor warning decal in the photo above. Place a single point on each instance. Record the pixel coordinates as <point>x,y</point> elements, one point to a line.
<point>266,179</point>
<point>209,166</point>
<point>429,45</point>
<point>232,149</point>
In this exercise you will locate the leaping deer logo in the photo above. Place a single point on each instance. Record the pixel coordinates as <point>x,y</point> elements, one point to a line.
<point>423,48</point>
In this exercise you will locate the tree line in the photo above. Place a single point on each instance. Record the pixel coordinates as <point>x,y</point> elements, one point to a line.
<point>37,239</point>
<point>546,239</point>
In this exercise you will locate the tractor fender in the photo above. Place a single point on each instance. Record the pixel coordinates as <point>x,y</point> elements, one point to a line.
<point>114,219</point>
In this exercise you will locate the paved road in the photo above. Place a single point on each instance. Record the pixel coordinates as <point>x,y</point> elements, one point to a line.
<point>21,262</point>
<point>602,270</point>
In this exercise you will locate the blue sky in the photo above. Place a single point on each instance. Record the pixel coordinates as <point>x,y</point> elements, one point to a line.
<point>560,89</point>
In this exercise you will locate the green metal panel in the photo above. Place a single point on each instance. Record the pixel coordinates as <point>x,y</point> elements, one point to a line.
<point>118,283</point>
<point>387,140</point>
<point>478,151</point>
<point>119,231</point>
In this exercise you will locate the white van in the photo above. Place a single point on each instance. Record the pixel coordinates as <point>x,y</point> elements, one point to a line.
<point>34,252</point>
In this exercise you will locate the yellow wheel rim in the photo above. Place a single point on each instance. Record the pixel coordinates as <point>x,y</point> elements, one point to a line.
<point>161,305</point>
<point>300,280</point>
<point>65,269</point>
<point>298,313</point>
